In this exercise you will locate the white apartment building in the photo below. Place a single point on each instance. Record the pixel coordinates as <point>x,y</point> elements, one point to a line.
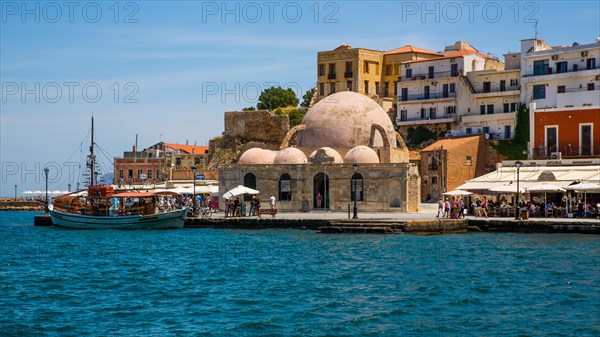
<point>562,87</point>
<point>490,104</point>
<point>560,77</point>
<point>434,91</point>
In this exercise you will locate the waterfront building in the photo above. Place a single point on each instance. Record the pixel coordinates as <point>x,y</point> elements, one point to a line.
<point>490,103</point>
<point>343,130</point>
<point>158,163</point>
<point>561,85</point>
<point>435,92</point>
<point>449,162</point>
<point>373,73</point>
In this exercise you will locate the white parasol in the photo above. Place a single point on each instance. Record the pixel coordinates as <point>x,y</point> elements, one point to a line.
<point>457,192</point>
<point>239,190</point>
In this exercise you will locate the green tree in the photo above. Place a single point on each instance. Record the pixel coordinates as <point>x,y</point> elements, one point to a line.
<point>295,114</point>
<point>307,98</point>
<point>250,108</point>
<point>513,149</point>
<point>276,97</point>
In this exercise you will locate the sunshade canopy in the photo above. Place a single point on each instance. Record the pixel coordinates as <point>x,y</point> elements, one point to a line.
<point>239,190</point>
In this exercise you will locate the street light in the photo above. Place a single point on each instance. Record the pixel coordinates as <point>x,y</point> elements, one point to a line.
<point>517,209</point>
<point>68,187</point>
<point>15,192</point>
<point>194,171</point>
<point>46,170</point>
<point>355,167</point>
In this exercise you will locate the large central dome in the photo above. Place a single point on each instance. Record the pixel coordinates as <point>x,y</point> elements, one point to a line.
<point>344,120</point>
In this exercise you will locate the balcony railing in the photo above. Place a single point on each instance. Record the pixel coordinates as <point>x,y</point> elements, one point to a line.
<point>331,76</point>
<point>440,74</point>
<point>420,97</point>
<point>348,74</point>
<point>541,152</point>
<point>552,71</point>
<point>432,167</point>
<point>404,118</point>
<point>497,90</point>
<point>498,135</point>
<point>577,90</point>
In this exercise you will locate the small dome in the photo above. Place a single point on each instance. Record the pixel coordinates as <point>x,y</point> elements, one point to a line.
<point>361,155</point>
<point>256,155</point>
<point>290,155</point>
<point>337,158</point>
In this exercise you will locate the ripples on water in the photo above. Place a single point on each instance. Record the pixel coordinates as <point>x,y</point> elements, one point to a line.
<point>294,283</point>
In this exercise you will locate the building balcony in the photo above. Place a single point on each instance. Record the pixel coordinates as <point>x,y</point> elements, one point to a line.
<point>510,91</point>
<point>418,77</point>
<point>541,152</point>
<point>348,74</point>
<point>577,97</point>
<point>552,74</point>
<point>473,118</point>
<point>421,97</point>
<point>445,118</point>
<point>488,135</point>
<point>331,76</point>
<point>432,167</point>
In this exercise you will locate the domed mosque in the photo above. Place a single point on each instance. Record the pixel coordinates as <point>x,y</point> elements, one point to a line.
<point>347,149</point>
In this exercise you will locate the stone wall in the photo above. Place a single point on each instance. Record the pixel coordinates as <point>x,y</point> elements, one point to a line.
<point>245,130</point>
<point>258,125</point>
<point>387,187</point>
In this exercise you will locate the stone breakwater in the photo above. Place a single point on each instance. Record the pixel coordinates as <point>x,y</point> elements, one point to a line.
<point>21,205</point>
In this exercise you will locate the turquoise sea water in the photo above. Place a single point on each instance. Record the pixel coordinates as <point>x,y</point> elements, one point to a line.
<point>209,282</point>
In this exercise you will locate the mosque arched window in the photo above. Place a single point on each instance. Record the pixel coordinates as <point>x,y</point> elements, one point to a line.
<point>356,187</point>
<point>285,188</point>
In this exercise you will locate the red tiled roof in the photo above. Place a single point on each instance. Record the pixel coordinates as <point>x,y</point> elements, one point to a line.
<point>411,49</point>
<point>459,53</point>
<point>189,149</point>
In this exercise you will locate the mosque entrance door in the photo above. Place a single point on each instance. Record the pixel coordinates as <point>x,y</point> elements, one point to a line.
<point>249,181</point>
<point>321,191</point>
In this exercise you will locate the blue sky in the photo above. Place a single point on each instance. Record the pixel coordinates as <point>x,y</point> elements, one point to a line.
<point>167,70</point>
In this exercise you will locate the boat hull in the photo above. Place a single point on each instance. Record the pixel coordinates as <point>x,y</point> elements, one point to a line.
<point>168,220</point>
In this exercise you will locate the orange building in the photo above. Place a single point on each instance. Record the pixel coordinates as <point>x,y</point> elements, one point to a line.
<point>566,133</point>
<point>449,162</point>
<point>158,163</point>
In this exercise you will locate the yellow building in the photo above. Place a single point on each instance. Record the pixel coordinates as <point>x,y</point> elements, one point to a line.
<point>369,72</point>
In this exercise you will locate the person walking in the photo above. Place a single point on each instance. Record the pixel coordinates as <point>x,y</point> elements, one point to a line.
<point>440,208</point>
<point>447,208</point>
<point>253,206</point>
<point>272,202</point>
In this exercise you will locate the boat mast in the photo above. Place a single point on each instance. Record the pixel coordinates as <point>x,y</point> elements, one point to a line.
<point>92,161</point>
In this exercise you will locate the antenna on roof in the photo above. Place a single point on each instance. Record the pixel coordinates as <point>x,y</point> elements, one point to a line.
<point>535,29</point>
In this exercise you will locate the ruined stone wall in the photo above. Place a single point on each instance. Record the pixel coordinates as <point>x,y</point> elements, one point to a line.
<point>259,125</point>
<point>245,130</point>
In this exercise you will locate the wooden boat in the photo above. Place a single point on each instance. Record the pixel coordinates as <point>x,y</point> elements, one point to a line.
<point>99,207</point>
<point>127,210</point>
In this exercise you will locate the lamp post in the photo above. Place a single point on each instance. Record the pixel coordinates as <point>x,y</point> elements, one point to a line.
<point>517,209</point>
<point>355,210</point>
<point>68,187</point>
<point>46,170</point>
<point>15,192</point>
<point>194,171</point>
